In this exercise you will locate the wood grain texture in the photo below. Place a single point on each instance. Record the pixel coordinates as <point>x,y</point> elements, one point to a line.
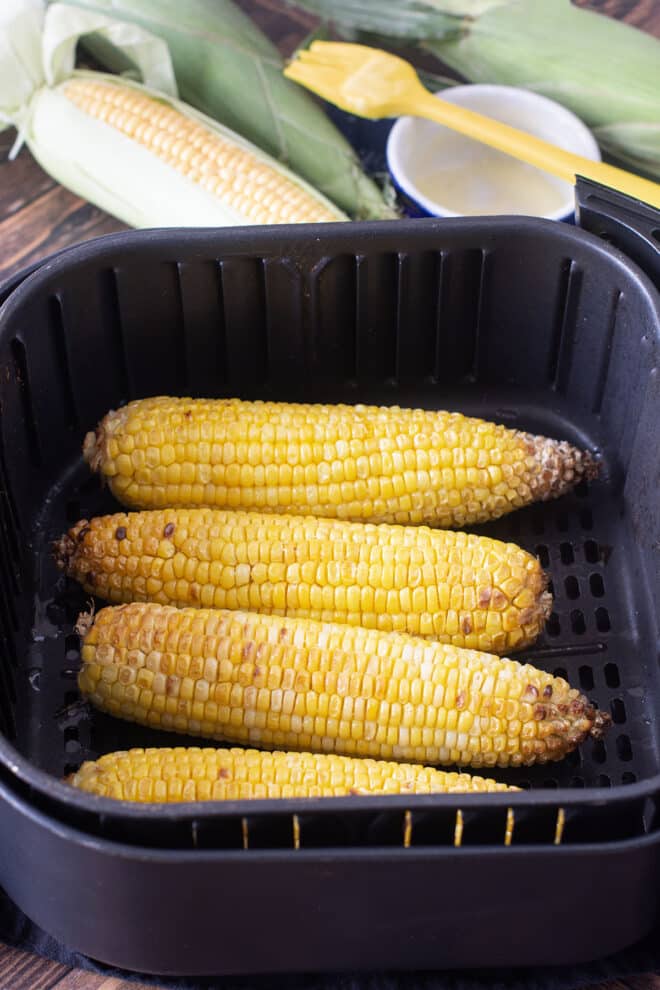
<point>38,217</point>
<point>23,971</point>
<point>643,14</point>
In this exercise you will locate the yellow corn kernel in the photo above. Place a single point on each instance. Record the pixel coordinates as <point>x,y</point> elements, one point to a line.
<point>340,439</point>
<point>199,774</point>
<point>269,666</point>
<point>227,167</point>
<point>437,583</point>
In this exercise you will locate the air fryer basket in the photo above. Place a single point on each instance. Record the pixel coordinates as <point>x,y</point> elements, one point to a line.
<point>523,321</point>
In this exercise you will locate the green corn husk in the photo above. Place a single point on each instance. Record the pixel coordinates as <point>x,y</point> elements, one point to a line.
<point>227,68</point>
<point>605,71</point>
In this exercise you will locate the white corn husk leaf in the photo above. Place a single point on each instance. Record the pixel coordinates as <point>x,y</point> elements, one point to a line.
<point>65,26</point>
<point>227,68</point>
<point>21,66</point>
<point>37,48</point>
<point>91,158</point>
<point>605,71</point>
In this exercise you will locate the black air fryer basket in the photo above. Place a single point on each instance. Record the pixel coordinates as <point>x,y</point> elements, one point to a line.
<point>530,323</point>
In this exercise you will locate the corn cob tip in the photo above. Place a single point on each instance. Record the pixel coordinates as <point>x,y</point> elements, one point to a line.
<point>63,550</point>
<point>560,466</point>
<point>545,603</point>
<point>84,622</point>
<point>93,447</point>
<point>601,724</point>
<point>582,720</point>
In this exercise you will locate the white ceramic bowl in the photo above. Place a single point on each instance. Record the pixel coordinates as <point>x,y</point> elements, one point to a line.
<point>428,161</point>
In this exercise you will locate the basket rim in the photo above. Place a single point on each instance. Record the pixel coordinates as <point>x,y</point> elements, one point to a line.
<point>28,782</point>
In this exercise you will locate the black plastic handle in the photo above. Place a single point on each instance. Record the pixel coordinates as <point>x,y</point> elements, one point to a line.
<point>630,225</point>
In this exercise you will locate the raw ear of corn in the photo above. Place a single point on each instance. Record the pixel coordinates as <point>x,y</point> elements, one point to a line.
<point>467,590</point>
<point>272,682</point>
<point>193,774</point>
<point>378,464</point>
<point>227,68</point>
<point>151,161</point>
<point>603,70</point>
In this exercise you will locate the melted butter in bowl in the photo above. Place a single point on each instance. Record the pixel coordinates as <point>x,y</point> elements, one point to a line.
<point>495,184</point>
<point>447,174</point>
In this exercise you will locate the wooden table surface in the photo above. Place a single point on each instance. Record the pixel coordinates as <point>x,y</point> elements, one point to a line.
<point>38,217</point>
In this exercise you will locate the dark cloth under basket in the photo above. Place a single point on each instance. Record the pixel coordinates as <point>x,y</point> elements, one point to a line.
<point>534,324</point>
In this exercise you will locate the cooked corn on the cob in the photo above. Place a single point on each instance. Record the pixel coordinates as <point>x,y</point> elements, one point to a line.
<point>470,591</point>
<point>352,462</point>
<point>298,684</point>
<point>152,161</point>
<point>193,774</point>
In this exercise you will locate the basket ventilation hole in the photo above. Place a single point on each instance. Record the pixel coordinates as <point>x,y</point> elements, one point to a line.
<point>582,490</point>
<point>602,620</point>
<point>541,552</point>
<point>596,585</point>
<point>72,510</point>
<point>71,741</point>
<point>586,519</point>
<point>70,768</point>
<point>603,780</point>
<point>560,672</point>
<point>618,710</point>
<point>591,551</point>
<point>56,613</point>
<point>612,678</point>
<point>586,676</point>
<point>572,586</point>
<point>550,784</point>
<point>552,626</point>
<point>574,758</point>
<point>624,748</point>
<point>70,698</point>
<point>562,522</point>
<point>578,625</point>
<point>576,782</point>
<point>538,524</point>
<point>599,753</point>
<point>71,647</point>
<point>566,552</point>
<point>628,777</point>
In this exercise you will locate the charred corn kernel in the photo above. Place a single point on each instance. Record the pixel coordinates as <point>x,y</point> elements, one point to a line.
<point>302,565</point>
<point>270,672</point>
<point>194,774</point>
<point>154,161</point>
<point>341,441</point>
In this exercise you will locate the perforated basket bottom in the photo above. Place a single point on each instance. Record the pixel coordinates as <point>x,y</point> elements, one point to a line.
<point>593,638</point>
